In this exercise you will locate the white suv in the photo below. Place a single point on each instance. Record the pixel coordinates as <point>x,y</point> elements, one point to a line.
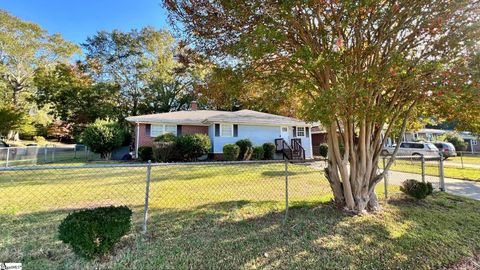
<point>413,149</point>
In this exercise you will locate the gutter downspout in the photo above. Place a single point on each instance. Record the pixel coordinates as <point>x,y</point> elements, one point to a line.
<point>137,140</point>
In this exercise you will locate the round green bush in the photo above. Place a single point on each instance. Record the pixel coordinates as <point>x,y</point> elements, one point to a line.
<point>94,232</point>
<point>257,153</point>
<point>145,153</point>
<point>268,151</point>
<point>102,137</point>
<point>166,152</point>
<point>416,189</point>
<point>245,149</point>
<point>193,146</point>
<point>323,149</point>
<point>231,152</point>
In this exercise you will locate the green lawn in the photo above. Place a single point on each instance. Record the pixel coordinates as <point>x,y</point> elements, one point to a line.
<point>466,173</point>
<point>466,160</point>
<point>230,216</point>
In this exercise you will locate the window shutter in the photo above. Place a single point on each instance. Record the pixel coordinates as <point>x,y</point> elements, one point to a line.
<point>147,130</point>
<point>307,132</point>
<point>294,131</point>
<point>217,130</point>
<point>179,130</point>
<point>235,130</point>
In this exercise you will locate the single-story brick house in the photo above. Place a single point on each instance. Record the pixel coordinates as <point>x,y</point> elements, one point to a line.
<point>224,127</point>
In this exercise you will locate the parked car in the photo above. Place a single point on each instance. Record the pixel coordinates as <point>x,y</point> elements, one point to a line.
<point>447,149</point>
<point>413,149</point>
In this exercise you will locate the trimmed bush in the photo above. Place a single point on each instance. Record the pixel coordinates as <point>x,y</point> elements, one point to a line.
<point>245,149</point>
<point>145,153</point>
<point>193,146</point>
<point>323,149</point>
<point>416,189</point>
<point>257,153</point>
<point>231,152</point>
<point>268,151</point>
<point>94,232</point>
<point>102,137</point>
<point>166,152</point>
<point>167,137</point>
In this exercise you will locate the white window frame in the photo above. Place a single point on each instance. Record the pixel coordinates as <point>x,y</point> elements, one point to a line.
<point>221,130</point>
<point>298,132</point>
<point>162,129</point>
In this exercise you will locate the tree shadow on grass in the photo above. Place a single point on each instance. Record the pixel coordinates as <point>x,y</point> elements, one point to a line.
<point>244,234</point>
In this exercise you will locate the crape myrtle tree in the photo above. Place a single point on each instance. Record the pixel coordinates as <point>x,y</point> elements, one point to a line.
<point>362,68</point>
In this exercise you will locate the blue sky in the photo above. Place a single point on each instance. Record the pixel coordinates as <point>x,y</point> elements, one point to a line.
<point>78,19</point>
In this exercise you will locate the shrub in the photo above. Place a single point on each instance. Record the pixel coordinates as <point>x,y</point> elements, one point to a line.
<point>231,152</point>
<point>257,153</point>
<point>268,150</point>
<point>102,137</point>
<point>167,137</point>
<point>245,149</point>
<point>94,232</point>
<point>39,139</point>
<point>416,189</point>
<point>145,153</point>
<point>193,146</point>
<point>166,151</point>
<point>323,149</point>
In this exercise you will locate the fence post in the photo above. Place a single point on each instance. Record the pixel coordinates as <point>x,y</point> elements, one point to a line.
<point>75,151</point>
<point>385,180</point>
<point>441,174</point>
<point>85,149</point>
<point>461,158</point>
<point>45,153</point>
<point>423,168</point>
<point>286,192</point>
<point>53,153</point>
<point>8,156</point>
<point>147,191</point>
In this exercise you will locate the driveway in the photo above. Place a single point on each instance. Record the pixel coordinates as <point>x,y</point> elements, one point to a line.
<point>455,186</point>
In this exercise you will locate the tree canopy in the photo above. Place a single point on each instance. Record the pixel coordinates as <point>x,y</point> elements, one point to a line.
<point>362,68</point>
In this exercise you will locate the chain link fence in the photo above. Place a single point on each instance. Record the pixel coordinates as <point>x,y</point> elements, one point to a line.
<point>35,155</point>
<point>420,168</point>
<point>35,199</point>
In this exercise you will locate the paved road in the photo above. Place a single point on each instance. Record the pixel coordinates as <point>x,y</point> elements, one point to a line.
<point>455,186</point>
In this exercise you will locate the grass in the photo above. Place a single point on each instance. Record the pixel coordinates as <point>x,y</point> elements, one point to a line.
<point>472,174</point>
<point>466,160</point>
<point>230,216</point>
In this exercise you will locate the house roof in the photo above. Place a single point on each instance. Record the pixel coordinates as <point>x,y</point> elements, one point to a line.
<point>207,117</point>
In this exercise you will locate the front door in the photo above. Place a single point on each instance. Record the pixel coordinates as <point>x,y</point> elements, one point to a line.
<point>284,133</point>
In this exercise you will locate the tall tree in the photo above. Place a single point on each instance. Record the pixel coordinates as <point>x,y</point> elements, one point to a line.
<point>24,47</point>
<point>361,67</point>
<point>73,96</point>
<point>138,61</point>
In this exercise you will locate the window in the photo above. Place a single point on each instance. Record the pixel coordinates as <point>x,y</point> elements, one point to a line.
<point>226,130</point>
<point>300,131</point>
<point>474,142</point>
<point>284,129</point>
<point>157,130</point>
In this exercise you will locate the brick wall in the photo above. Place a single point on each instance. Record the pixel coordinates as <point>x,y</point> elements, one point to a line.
<point>146,140</point>
<point>194,129</point>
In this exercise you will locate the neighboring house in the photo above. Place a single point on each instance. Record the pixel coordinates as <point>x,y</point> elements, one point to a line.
<point>225,127</point>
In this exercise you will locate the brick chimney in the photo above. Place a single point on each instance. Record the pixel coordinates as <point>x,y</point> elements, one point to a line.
<point>193,106</point>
